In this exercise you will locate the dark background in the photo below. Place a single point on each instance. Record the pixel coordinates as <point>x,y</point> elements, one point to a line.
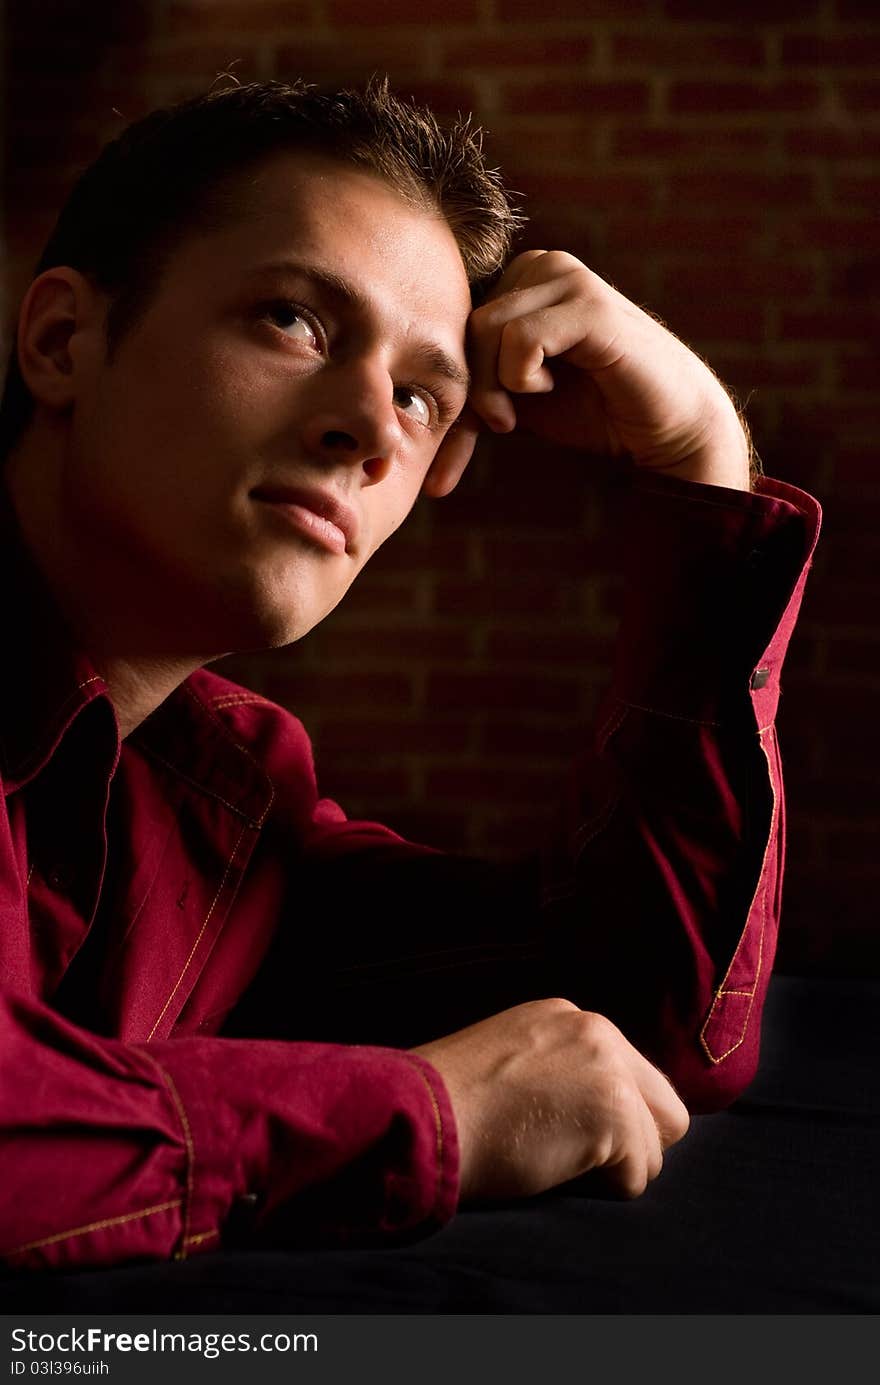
<point>719,164</point>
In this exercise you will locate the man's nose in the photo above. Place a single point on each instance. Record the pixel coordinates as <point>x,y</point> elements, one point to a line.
<point>353,421</point>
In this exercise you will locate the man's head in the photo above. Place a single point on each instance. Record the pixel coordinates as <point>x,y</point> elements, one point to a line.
<point>258,296</point>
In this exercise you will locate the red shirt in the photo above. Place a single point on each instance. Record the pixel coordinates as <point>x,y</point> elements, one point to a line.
<point>165,900</point>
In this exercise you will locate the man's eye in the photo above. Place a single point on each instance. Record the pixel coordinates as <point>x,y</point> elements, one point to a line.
<point>413,403</point>
<point>295,323</point>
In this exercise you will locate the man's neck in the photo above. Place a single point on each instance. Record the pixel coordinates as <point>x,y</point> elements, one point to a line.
<point>107,620</point>
<point>138,686</point>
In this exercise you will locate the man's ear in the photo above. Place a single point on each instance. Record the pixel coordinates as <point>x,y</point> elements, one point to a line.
<point>60,330</point>
<point>453,455</point>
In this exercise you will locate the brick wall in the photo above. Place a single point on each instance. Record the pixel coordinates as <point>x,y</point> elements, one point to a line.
<point>719,164</point>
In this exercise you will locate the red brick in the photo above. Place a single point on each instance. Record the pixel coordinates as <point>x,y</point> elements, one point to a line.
<point>764,12</point>
<point>668,49</point>
<point>860,190</point>
<point>711,234</point>
<point>719,321</point>
<point>363,783</point>
<point>860,98</point>
<point>668,141</point>
<point>201,63</point>
<point>730,98</point>
<point>493,784</point>
<point>568,9</point>
<point>445,99</point>
<point>395,736</point>
<point>830,324</point>
<point>391,12</point>
<point>575,650</point>
<point>510,835</point>
<point>217,18</point>
<point>326,60</point>
<point>100,22</point>
<point>473,599</point>
<point>854,514</point>
<point>352,691</point>
<point>583,97</point>
<point>401,644</point>
<point>438,552</point>
<point>443,828</point>
<point>840,234</point>
<point>853,558</point>
<point>741,279</point>
<point>568,555</point>
<point>369,596</point>
<point>731,187</point>
<point>529,143</point>
<point>548,739</point>
<point>858,279</point>
<point>860,656</point>
<point>586,190</point>
<point>762,371</point>
<point>490,52</point>
<point>858,373</point>
<point>857,10</point>
<point>831,50</point>
<point>857,467</point>
<point>833,142</point>
<point>489,691</point>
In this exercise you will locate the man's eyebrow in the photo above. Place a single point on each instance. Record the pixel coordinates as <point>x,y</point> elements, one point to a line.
<point>342,290</point>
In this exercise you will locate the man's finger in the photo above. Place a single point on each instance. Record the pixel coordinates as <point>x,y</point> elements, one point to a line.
<point>453,455</point>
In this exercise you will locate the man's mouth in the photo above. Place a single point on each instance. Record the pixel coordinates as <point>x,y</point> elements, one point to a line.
<point>317,514</point>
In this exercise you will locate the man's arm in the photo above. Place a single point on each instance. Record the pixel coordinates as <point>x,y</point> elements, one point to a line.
<point>113,1151</point>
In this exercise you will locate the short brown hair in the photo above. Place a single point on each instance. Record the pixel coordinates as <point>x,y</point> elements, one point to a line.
<point>166,174</point>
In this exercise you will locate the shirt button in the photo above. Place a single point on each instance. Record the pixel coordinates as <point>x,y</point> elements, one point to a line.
<point>61,877</point>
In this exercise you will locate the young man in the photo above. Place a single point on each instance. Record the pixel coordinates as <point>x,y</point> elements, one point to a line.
<point>229,1013</point>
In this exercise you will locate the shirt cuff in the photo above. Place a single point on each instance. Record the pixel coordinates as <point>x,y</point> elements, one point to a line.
<point>713,581</point>
<point>301,1144</point>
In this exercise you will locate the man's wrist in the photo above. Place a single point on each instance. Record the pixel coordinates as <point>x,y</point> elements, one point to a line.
<point>727,459</point>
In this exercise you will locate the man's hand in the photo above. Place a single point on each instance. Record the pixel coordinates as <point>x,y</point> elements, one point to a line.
<point>544,1092</point>
<point>557,351</point>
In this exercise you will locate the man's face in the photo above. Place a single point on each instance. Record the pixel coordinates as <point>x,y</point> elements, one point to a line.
<point>270,419</point>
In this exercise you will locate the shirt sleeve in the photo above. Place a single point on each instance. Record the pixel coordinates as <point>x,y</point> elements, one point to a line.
<point>112,1152</point>
<point>657,900</point>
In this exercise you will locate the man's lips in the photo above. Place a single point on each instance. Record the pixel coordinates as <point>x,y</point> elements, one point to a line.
<point>318,514</point>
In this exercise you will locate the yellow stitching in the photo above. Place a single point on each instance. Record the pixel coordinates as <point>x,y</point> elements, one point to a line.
<point>190,1154</point>
<point>748,993</point>
<point>613,722</point>
<point>94,1226</point>
<point>203,1236</point>
<point>438,1123</point>
<point>27,883</point>
<point>761,880</point>
<point>597,823</point>
<point>218,702</point>
<point>205,788</point>
<point>243,749</point>
<point>199,938</point>
<point>227,735</point>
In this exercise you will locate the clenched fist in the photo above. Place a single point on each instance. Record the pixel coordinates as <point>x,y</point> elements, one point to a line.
<point>561,353</point>
<point>544,1092</point>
